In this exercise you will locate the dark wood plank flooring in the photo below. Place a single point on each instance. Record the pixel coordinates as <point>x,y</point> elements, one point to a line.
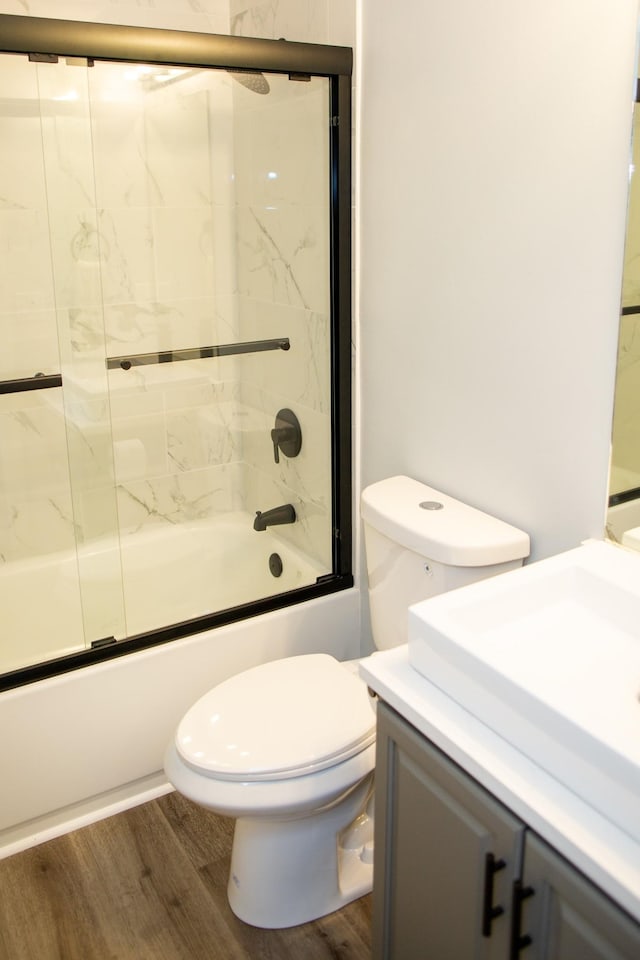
<point>150,884</point>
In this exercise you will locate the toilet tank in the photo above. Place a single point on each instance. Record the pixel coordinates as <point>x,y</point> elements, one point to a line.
<point>419,543</point>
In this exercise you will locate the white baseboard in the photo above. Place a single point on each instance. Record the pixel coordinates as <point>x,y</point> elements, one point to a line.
<point>22,836</point>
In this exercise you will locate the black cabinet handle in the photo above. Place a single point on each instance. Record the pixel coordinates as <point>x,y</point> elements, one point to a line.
<point>518,940</point>
<point>489,912</point>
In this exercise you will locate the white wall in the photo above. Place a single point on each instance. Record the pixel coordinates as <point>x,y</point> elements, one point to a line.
<point>495,150</point>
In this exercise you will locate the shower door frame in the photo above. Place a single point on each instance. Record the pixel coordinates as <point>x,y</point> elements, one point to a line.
<point>42,38</point>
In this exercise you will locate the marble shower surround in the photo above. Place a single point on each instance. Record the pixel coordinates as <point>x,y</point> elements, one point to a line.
<point>202,437</point>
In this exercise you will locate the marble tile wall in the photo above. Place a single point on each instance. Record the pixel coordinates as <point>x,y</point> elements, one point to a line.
<point>36,510</point>
<point>283,235</point>
<point>153,254</point>
<point>122,248</point>
<point>207,16</point>
<point>306,21</point>
<point>165,207</point>
<point>27,303</point>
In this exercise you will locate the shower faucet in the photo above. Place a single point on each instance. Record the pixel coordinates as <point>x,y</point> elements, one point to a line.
<point>286,435</point>
<point>270,518</point>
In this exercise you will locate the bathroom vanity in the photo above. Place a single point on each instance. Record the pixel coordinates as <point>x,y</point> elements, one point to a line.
<point>463,877</point>
<point>486,844</point>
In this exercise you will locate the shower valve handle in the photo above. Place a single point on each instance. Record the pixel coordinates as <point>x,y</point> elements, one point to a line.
<point>286,435</point>
<point>281,436</point>
<point>275,436</point>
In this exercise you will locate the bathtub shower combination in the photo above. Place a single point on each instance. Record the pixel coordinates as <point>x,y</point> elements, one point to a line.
<point>175,328</point>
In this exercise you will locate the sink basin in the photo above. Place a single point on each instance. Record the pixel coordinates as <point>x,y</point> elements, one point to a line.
<point>548,656</point>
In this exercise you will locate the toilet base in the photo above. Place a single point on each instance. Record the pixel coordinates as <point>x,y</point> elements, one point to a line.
<point>290,871</point>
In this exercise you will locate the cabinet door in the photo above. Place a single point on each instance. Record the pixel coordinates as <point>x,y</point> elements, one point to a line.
<point>566,916</point>
<point>446,854</point>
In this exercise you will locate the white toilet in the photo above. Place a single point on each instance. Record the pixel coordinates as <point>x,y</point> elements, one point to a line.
<point>288,747</point>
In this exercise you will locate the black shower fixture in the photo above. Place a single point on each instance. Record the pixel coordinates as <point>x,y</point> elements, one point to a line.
<point>286,435</point>
<point>251,79</point>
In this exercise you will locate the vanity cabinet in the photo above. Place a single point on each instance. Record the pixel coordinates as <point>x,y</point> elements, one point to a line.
<point>567,916</point>
<point>447,855</point>
<point>457,876</point>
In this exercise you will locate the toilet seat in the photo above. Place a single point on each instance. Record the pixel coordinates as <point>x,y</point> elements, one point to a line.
<point>283,719</point>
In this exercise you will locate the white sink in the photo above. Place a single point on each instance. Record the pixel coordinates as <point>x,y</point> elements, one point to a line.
<point>548,656</point>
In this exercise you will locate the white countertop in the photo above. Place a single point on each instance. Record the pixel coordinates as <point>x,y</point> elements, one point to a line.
<point>597,847</point>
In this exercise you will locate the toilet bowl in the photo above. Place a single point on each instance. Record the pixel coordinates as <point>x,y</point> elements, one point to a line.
<point>287,748</point>
<point>302,773</point>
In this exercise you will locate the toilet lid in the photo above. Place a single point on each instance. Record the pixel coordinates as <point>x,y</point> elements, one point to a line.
<point>278,720</point>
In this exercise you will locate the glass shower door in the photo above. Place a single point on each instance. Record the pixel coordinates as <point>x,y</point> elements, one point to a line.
<point>77,258</point>
<point>168,381</point>
<point>212,191</point>
<point>49,283</point>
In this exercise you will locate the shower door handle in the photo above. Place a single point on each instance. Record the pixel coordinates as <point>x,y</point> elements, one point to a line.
<point>39,381</point>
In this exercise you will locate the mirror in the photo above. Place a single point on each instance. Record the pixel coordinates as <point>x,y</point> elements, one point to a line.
<point>623,515</point>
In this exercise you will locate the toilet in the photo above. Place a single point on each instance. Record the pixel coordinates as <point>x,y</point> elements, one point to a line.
<point>287,748</point>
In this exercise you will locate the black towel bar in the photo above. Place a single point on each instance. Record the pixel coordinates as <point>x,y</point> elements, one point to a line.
<point>40,381</point>
<point>197,353</point>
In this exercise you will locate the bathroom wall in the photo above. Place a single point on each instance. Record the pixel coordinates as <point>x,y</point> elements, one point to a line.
<point>283,287</point>
<point>104,746</point>
<point>35,496</point>
<point>131,269</point>
<point>332,21</point>
<point>495,154</point>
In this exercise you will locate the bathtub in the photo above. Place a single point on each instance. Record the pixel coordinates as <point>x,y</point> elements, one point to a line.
<point>621,517</point>
<point>145,581</point>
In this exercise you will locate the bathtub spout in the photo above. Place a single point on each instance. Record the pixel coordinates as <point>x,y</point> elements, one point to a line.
<point>283,514</point>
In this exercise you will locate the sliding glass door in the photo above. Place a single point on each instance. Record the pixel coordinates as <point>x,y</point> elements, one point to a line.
<point>169,316</point>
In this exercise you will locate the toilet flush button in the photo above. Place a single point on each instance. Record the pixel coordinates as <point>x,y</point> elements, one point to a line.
<point>366,854</point>
<point>431,505</point>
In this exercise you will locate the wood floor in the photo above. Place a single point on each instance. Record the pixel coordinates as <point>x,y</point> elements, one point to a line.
<point>150,884</point>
